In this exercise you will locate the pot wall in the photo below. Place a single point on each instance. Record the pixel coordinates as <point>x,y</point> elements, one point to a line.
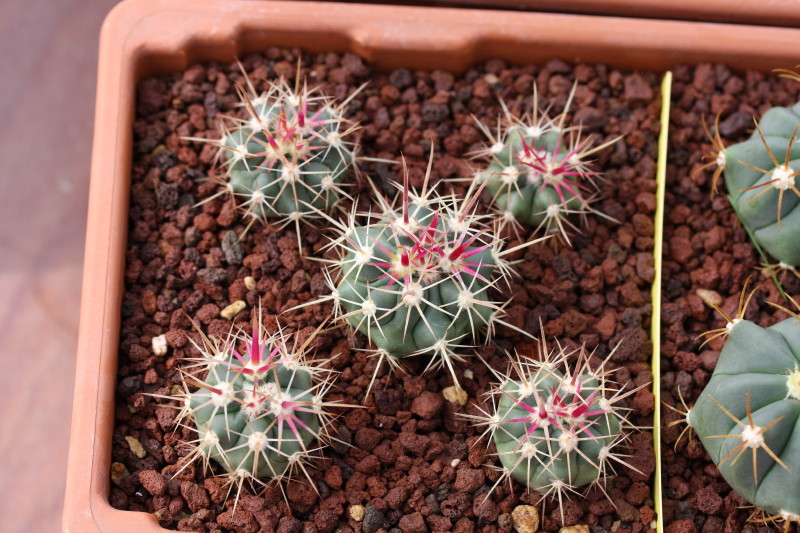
<point>768,12</point>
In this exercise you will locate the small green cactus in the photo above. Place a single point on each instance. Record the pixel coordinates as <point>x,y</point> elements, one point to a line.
<point>556,427</point>
<point>289,158</point>
<point>539,170</point>
<point>748,415</point>
<point>416,279</point>
<point>257,413</point>
<point>758,173</point>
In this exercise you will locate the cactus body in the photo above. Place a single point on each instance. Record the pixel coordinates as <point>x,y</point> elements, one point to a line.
<point>416,279</point>
<point>288,158</point>
<point>528,179</point>
<point>556,426</point>
<point>758,366</point>
<point>772,216</point>
<point>555,449</point>
<point>538,169</point>
<point>257,413</point>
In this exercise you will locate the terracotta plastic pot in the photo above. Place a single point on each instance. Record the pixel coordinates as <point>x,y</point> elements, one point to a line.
<point>768,12</point>
<point>142,38</point>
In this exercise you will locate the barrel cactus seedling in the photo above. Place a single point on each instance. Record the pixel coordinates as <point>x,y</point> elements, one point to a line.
<point>557,427</point>
<point>289,157</point>
<point>759,173</point>
<point>261,413</point>
<point>748,415</point>
<point>416,278</point>
<point>539,170</point>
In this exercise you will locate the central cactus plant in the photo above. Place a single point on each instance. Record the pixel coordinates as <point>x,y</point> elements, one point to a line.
<point>758,173</point>
<point>539,170</point>
<point>257,413</point>
<point>556,427</point>
<point>748,416</point>
<point>417,279</point>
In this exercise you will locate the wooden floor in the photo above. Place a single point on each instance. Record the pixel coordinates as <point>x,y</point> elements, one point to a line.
<point>47,87</point>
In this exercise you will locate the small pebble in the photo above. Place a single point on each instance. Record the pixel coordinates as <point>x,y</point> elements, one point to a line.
<point>160,345</point>
<point>118,473</point>
<point>455,395</point>
<point>136,447</point>
<point>357,512</point>
<point>711,298</point>
<point>233,309</point>
<point>574,529</point>
<point>250,282</point>
<point>525,518</point>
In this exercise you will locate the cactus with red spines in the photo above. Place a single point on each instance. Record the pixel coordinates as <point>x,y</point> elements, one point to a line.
<point>289,158</point>
<point>260,413</point>
<point>539,170</point>
<point>416,278</point>
<point>556,427</point>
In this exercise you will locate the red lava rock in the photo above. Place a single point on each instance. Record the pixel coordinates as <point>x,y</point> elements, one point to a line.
<point>637,89</point>
<point>439,523</point>
<point>217,488</point>
<point>367,438</point>
<point>642,457</point>
<point>468,479</point>
<point>241,521</point>
<point>644,401</point>
<point>195,495</point>
<point>681,526</point>
<point>708,500</point>
<point>416,444</point>
<point>427,405</point>
<point>333,477</point>
<point>301,492</point>
<point>413,523</point>
<point>153,482</point>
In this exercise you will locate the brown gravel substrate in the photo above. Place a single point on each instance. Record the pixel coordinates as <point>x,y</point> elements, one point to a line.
<point>414,464</point>
<point>706,247</point>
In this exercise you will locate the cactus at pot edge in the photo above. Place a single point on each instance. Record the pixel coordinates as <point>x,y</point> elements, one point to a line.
<point>556,426</point>
<point>539,171</point>
<point>748,415</point>
<point>288,157</point>
<point>259,414</point>
<point>417,278</point>
<point>759,173</point>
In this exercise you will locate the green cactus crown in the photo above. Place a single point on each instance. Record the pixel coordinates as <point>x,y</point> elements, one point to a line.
<point>539,170</point>
<point>556,426</point>
<point>260,413</point>
<point>289,157</point>
<point>417,278</point>
<point>759,173</point>
<point>748,415</point>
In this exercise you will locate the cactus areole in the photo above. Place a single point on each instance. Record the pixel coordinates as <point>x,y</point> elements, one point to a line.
<point>748,416</point>
<point>759,173</point>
